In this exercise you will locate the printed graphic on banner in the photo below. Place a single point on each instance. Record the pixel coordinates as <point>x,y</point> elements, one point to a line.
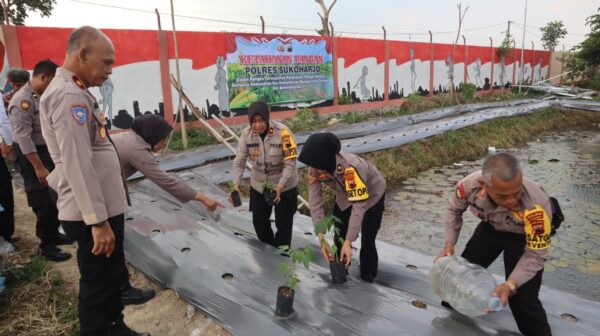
<point>278,69</point>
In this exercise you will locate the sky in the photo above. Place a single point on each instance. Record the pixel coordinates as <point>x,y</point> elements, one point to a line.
<point>403,20</point>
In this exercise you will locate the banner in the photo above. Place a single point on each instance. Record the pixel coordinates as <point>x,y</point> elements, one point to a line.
<point>278,69</point>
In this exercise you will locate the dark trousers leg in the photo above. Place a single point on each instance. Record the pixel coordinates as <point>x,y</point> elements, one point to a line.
<point>369,259</point>
<point>525,303</point>
<point>7,214</point>
<point>284,217</point>
<point>484,246</point>
<point>46,213</point>
<point>261,217</point>
<point>100,278</point>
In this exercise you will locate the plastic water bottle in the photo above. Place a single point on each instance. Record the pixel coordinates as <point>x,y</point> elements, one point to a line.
<point>467,287</point>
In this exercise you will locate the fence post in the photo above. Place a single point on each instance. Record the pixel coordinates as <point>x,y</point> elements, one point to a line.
<point>493,65</point>
<point>430,63</point>
<point>386,75</point>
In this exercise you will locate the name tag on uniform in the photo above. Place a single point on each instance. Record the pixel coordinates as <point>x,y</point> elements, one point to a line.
<point>288,145</point>
<point>356,189</point>
<point>537,228</point>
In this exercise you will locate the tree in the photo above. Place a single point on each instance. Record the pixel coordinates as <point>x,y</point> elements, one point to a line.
<point>584,60</point>
<point>589,49</point>
<point>325,17</point>
<point>18,10</point>
<point>552,33</point>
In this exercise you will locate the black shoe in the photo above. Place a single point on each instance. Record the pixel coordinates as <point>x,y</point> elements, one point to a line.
<point>59,239</point>
<point>135,296</point>
<point>53,253</point>
<point>447,305</point>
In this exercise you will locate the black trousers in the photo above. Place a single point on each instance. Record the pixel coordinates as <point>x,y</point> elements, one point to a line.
<point>284,217</point>
<point>7,201</point>
<point>483,248</point>
<point>369,259</point>
<point>38,195</point>
<point>101,277</point>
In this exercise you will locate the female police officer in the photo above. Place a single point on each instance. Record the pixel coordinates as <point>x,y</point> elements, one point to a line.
<point>271,148</point>
<point>359,197</point>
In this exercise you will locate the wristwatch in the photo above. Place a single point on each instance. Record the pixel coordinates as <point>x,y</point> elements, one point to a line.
<point>513,288</point>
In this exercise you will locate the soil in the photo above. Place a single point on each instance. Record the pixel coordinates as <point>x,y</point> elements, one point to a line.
<point>165,315</point>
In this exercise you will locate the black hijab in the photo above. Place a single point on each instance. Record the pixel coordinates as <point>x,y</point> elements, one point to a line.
<point>319,151</point>
<point>151,128</point>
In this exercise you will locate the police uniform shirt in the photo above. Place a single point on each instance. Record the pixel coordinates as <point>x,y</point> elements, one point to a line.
<point>24,116</point>
<point>356,182</point>
<point>273,159</point>
<point>533,220</point>
<point>87,176</point>
<point>135,155</point>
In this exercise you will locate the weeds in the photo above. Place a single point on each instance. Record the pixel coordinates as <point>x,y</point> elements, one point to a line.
<point>195,136</point>
<point>36,302</point>
<point>305,120</point>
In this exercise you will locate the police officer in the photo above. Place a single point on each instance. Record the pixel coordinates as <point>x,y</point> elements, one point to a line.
<point>91,190</point>
<point>271,148</point>
<point>359,198</point>
<point>35,161</point>
<point>149,134</point>
<point>7,202</point>
<point>17,77</point>
<point>516,216</point>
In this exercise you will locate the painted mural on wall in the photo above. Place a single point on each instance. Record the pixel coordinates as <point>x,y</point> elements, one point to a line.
<point>278,70</point>
<point>206,57</point>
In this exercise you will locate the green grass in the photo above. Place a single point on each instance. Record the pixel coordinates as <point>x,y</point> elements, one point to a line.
<point>353,117</point>
<point>196,137</point>
<point>37,302</point>
<point>305,120</point>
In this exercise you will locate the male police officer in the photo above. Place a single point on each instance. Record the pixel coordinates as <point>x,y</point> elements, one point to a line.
<point>35,161</point>
<point>516,219</point>
<point>91,190</point>
<point>17,77</point>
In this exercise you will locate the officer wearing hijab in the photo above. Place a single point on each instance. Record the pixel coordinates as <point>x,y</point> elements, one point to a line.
<point>359,198</point>
<point>270,147</point>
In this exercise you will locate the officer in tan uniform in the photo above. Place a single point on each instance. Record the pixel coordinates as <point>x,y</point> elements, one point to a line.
<point>17,77</point>
<point>149,134</point>
<point>271,148</point>
<point>35,161</point>
<point>359,198</point>
<point>92,196</point>
<point>516,217</point>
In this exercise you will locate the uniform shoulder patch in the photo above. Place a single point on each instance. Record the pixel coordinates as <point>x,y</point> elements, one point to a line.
<point>537,228</point>
<point>288,145</point>
<point>25,104</point>
<point>356,189</point>
<point>79,113</point>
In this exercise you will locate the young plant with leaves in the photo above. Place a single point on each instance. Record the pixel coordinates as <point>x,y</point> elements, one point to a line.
<point>303,256</point>
<point>328,225</point>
